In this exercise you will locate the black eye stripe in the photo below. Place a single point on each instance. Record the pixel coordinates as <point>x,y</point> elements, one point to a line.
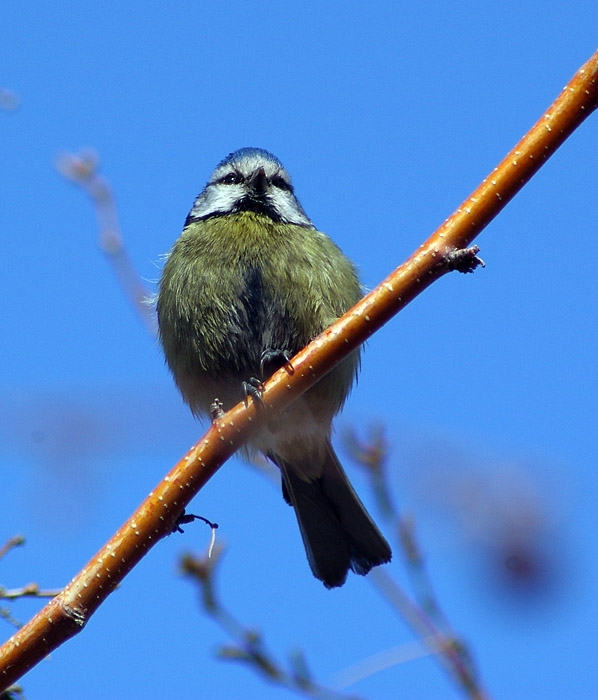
<point>231,179</point>
<point>236,178</point>
<point>281,183</point>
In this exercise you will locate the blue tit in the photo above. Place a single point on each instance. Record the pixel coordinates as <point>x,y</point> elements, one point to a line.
<point>248,284</point>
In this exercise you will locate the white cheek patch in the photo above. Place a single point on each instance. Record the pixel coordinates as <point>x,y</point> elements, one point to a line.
<point>216,199</point>
<point>288,208</point>
<point>219,198</point>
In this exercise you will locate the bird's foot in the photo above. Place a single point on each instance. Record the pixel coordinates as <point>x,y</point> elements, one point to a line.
<point>253,388</point>
<point>273,359</point>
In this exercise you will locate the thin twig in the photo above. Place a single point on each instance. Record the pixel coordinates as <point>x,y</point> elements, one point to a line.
<point>82,169</point>
<point>425,617</point>
<point>16,541</point>
<point>447,647</point>
<point>31,590</point>
<point>249,646</point>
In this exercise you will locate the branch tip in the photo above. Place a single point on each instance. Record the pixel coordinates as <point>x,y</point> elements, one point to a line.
<point>464,259</point>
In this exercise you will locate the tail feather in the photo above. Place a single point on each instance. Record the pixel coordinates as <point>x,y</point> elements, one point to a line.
<point>337,531</point>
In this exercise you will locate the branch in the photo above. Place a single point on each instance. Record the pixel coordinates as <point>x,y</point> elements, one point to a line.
<point>82,169</point>
<point>29,590</point>
<point>66,614</point>
<point>425,617</point>
<point>16,541</point>
<point>249,645</point>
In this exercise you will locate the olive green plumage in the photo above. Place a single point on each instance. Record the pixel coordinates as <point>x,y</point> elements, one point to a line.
<point>236,286</point>
<point>240,284</point>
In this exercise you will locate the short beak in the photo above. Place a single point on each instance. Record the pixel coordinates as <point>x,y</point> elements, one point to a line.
<point>258,183</point>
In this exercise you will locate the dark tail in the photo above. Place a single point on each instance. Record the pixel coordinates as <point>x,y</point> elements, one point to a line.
<point>337,531</point>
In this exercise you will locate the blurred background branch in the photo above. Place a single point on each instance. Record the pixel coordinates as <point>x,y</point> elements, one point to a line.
<point>82,170</point>
<point>249,645</point>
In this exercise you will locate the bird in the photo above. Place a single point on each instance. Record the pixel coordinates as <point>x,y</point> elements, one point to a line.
<point>250,282</point>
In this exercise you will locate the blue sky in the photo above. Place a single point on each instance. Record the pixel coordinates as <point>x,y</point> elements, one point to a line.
<point>387,115</point>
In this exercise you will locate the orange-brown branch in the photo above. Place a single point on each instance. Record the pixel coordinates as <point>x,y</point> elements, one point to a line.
<point>66,614</point>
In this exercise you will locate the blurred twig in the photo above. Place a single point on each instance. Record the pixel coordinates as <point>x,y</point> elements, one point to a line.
<point>31,590</point>
<point>450,650</point>
<point>6,615</point>
<point>16,541</point>
<point>249,646</point>
<point>372,456</point>
<point>425,618</point>
<point>82,169</point>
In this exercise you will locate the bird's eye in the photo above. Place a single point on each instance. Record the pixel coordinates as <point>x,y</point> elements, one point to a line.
<point>281,183</point>
<point>231,179</point>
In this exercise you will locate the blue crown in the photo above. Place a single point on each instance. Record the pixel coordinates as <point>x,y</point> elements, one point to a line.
<point>249,152</point>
